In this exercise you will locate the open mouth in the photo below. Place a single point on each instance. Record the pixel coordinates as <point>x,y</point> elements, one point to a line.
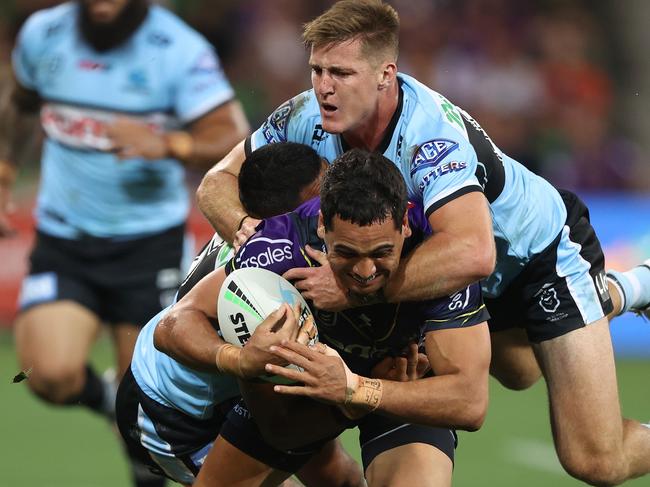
<point>328,107</point>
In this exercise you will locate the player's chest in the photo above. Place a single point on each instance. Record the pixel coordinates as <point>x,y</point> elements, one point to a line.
<point>370,332</point>
<point>130,79</point>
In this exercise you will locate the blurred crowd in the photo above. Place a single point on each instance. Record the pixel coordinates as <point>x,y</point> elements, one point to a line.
<point>538,75</point>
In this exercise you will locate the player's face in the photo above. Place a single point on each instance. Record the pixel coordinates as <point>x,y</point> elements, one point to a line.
<point>104,11</point>
<point>364,257</point>
<point>346,86</point>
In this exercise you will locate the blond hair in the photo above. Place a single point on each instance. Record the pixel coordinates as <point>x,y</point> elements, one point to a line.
<point>374,22</point>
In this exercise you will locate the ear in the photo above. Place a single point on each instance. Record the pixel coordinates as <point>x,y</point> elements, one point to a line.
<point>387,76</point>
<point>320,231</point>
<point>406,228</point>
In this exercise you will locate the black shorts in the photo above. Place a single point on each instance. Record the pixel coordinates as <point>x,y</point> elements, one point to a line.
<point>561,289</point>
<point>144,422</point>
<point>377,435</point>
<point>121,281</point>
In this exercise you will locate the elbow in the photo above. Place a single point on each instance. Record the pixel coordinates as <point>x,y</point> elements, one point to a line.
<point>473,417</point>
<point>473,410</point>
<point>204,191</point>
<point>162,333</point>
<point>482,259</point>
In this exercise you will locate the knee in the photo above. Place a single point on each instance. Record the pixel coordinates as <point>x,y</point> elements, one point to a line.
<point>602,470</point>
<point>57,385</point>
<point>516,379</point>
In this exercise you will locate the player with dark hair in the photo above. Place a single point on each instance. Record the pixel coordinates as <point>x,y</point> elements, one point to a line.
<point>405,426</point>
<point>533,247</point>
<point>170,414</point>
<point>129,97</point>
<point>274,186</point>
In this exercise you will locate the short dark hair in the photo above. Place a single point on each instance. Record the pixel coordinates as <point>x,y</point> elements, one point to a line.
<point>272,178</point>
<point>363,187</point>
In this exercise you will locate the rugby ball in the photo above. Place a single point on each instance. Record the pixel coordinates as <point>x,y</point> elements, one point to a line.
<point>247,297</point>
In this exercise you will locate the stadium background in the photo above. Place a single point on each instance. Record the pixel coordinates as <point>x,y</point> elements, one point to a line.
<point>560,85</point>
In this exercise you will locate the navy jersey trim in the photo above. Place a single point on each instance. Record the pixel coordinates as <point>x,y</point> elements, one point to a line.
<point>489,169</point>
<point>464,320</point>
<point>456,194</point>
<point>248,146</point>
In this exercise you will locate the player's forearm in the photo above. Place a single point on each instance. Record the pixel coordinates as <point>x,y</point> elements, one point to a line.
<point>454,400</point>
<point>218,199</point>
<point>206,143</point>
<point>188,337</point>
<point>442,265</point>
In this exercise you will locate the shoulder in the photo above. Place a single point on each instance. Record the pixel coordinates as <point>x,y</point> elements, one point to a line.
<point>165,30</point>
<point>292,119</point>
<point>50,22</point>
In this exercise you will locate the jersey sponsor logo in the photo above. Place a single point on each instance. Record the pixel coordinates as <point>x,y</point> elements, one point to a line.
<point>601,286</point>
<point>451,113</point>
<point>431,153</point>
<point>273,252</point>
<point>90,65</point>
<point>440,170</point>
<point>86,128</point>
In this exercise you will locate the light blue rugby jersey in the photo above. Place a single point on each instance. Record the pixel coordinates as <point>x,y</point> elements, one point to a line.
<point>442,153</point>
<point>165,75</point>
<point>169,382</point>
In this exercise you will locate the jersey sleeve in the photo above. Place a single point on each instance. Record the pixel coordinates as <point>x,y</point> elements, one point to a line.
<point>274,246</point>
<point>460,310</point>
<point>25,55</point>
<point>201,84</point>
<point>290,122</point>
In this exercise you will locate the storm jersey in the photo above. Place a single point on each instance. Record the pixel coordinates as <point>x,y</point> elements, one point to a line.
<point>443,153</point>
<point>364,335</point>
<point>165,75</point>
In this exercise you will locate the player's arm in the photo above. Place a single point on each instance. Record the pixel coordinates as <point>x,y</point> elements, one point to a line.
<point>457,396</point>
<point>205,140</point>
<point>218,194</point>
<point>186,334</point>
<point>18,109</point>
<point>460,251</point>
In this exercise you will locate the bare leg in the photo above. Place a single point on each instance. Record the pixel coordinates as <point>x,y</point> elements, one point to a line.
<point>412,465</point>
<point>594,443</point>
<point>332,467</point>
<point>513,361</point>
<point>54,340</point>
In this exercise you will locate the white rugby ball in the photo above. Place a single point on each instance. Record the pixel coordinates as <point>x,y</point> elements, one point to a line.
<point>247,297</point>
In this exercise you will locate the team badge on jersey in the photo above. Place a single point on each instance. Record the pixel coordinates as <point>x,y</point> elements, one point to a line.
<point>275,127</point>
<point>431,153</point>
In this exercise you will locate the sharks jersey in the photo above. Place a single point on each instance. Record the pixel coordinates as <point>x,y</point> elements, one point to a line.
<point>365,335</point>
<point>443,153</point>
<point>165,75</point>
<point>169,382</point>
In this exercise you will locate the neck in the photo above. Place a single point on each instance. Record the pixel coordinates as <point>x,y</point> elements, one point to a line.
<point>370,134</point>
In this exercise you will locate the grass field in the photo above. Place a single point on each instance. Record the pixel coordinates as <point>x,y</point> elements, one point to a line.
<point>46,447</point>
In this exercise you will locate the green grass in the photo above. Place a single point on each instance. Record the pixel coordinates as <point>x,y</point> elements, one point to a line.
<point>57,447</point>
